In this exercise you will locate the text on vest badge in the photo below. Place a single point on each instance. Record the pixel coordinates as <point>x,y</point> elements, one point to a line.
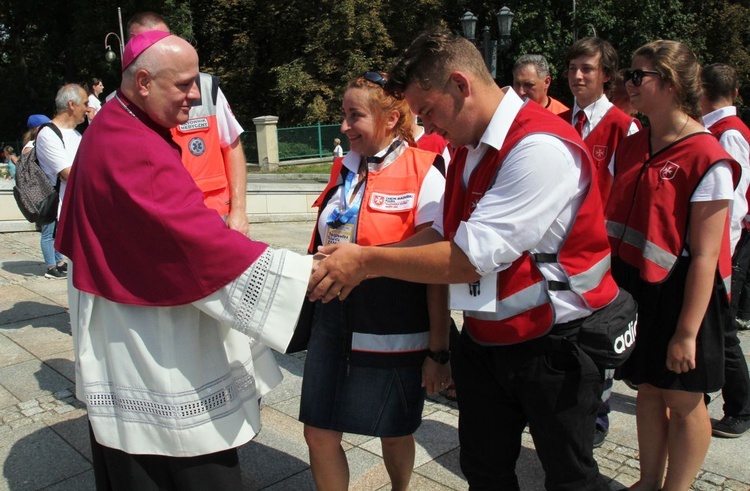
<point>194,124</point>
<point>386,202</point>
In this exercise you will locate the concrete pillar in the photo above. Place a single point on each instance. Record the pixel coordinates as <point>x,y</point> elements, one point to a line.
<point>268,142</point>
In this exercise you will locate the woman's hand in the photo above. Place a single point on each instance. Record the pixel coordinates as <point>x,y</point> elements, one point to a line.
<point>435,377</point>
<point>681,353</point>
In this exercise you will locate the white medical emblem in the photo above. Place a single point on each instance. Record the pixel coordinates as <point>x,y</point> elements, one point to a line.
<point>197,146</point>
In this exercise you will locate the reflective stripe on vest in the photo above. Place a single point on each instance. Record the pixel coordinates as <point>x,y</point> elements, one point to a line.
<point>661,257</point>
<point>591,278</point>
<point>390,343</point>
<point>530,297</point>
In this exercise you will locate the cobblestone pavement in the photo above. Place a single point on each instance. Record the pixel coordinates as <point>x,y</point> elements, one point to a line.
<point>44,434</point>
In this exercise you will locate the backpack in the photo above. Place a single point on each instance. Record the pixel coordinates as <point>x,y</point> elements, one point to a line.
<point>36,197</point>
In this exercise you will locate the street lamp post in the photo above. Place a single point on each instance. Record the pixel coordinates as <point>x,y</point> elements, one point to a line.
<point>489,46</point>
<point>109,55</point>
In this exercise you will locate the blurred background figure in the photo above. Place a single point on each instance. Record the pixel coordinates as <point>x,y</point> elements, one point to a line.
<point>94,88</point>
<point>531,79</point>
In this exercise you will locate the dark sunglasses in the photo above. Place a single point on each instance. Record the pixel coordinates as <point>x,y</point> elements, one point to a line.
<point>375,78</point>
<point>637,75</point>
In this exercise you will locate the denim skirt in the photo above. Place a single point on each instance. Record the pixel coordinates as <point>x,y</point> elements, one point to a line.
<point>382,402</point>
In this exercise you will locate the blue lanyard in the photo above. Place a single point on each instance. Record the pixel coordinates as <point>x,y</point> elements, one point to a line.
<point>341,215</point>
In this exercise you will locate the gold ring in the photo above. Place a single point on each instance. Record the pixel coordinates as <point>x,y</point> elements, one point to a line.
<point>338,294</point>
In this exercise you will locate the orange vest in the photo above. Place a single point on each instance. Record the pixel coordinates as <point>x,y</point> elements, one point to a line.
<point>649,209</point>
<point>382,218</point>
<point>387,322</point>
<point>199,141</point>
<point>555,106</point>
<point>524,309</point>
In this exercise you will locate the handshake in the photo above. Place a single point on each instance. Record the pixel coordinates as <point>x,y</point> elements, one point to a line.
<point>337,269</point>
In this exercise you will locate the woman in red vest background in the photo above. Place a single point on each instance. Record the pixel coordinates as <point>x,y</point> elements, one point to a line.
<point>667,220</point>
<point>372,356</point>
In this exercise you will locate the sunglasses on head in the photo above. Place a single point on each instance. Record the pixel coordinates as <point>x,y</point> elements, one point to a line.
<point>375,78</point>
<point>637,75</point>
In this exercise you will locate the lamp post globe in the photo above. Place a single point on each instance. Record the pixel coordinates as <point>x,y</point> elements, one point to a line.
<point>469,25</point>
<point>110,56</point>
<point>504,23</point>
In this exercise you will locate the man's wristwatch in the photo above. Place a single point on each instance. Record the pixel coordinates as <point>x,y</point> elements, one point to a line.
<point>440,357</point>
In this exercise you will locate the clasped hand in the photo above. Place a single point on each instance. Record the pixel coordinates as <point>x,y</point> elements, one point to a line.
<point>337,270</point>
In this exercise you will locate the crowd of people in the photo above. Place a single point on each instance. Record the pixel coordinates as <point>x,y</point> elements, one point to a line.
<point>530,217</point>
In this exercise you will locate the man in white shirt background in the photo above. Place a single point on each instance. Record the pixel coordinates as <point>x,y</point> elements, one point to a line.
<point>56,157</point>
<point>720,117</point>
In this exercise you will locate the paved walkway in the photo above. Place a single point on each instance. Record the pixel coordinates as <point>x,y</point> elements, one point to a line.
<point>43,433</point>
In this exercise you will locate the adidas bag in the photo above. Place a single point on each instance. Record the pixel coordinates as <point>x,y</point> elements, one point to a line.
<point>36,197</point>
<point>608,335</point>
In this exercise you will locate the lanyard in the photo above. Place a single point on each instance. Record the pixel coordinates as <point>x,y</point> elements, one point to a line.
<point>342,215</point>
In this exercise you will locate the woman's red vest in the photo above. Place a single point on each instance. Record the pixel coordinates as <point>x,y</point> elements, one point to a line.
<point>649,208</point>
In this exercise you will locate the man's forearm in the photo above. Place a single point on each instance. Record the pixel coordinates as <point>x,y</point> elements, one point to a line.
<point>440,262</point>
<point>236,170</point>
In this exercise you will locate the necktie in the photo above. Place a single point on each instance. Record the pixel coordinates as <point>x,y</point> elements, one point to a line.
<point>580,121</point>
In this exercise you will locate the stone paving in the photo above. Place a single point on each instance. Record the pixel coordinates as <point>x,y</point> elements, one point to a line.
<point>44,436</point>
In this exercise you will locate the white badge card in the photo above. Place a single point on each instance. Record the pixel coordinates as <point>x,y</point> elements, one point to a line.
<point>345,233</point>
<point>480,296</point>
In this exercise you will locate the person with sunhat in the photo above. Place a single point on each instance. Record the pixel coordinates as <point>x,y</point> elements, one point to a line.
<point>172,312</point>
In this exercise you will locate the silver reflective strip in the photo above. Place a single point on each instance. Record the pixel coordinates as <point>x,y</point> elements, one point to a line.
<point>615,229</point>
<point>528,298</point>
<point>591,278</point>
<point>390,343</point>
<point>661,257</point>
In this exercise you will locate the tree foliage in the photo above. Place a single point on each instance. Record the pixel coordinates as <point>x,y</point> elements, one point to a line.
<point>291,58</point>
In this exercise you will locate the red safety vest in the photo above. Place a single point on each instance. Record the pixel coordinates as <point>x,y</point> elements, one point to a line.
<point>524,309</point>
<point>649,210</point>
<point>602,142</point>
<point>201,147</point>
<point>732,123</point>
<point>432,142</point>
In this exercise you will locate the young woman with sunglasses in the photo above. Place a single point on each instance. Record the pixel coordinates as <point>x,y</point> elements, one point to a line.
<point>372,356</point>
<point>667,224</point>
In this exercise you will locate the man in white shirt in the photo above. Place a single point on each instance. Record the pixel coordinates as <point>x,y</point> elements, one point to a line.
<point>521,176</point>
<point>720,117</point>
<point>56,154</point>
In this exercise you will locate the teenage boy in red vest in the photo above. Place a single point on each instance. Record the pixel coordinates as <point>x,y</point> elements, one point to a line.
<point>591,67</point>
<point>720,117</point>
<point>521,212</point>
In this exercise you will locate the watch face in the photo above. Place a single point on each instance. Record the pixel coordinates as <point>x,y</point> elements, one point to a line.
<point>441,357</point>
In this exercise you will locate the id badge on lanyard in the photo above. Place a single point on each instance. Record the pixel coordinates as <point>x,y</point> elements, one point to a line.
<point>342,221</point>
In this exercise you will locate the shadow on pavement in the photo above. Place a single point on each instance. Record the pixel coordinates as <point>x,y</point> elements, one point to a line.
<point>24,268</point>
<point>36,314</point>
<point>50,457</point>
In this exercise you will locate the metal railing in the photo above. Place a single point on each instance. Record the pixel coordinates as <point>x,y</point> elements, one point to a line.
<point>295,142</point>
<point>299,142</point>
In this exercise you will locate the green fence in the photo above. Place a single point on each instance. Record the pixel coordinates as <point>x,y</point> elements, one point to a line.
<point>299,142</point>
<point>295,142</point>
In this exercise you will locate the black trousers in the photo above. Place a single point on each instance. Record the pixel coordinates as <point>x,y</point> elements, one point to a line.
<point>115,470</point>
<point>736,390</point>
<point>548,383</point>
